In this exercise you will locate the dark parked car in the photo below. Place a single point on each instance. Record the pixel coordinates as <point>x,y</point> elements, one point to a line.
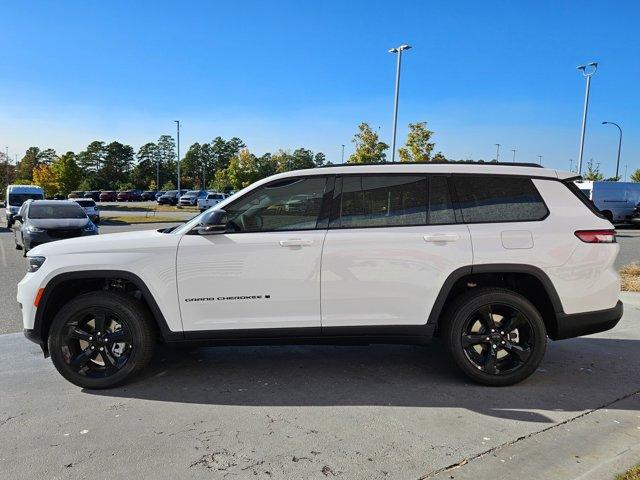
<point>42,221</point>
<point>108,196</point>
<point>149,195</point>
<point>171,197</point>
<point>129,196</point>
<point>76,194</point>
<point>93,195</point>
<point>159,194</point>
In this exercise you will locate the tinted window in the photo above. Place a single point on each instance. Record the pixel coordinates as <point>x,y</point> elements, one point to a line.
<point>383,200</point>
<point>292,204</point>
<point>17,199</point>
<point>86,203</point>
<point>498,199</point>
<point>63,210</point>
<point>440,206</point>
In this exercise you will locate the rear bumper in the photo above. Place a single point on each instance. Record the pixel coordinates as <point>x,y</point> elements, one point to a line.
<point>579,324</point>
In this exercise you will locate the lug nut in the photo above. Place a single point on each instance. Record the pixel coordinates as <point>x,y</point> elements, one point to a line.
<point>90,338</point>
<point>501,333</point>
<point>488,338</point>
<point>504,343</point>
<point>492,330</point>
<point>92,347</point>
<point>101,349</point>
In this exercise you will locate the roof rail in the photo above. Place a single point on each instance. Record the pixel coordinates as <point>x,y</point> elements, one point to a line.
<point>453,162</point>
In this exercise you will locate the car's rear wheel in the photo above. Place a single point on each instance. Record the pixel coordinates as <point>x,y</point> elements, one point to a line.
<point>496,336</point>
<point>101,339</point>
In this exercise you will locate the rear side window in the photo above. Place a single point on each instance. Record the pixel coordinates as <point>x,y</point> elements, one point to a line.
<point>440,206</point>
<point>498,199</point>
<point>383,201</point>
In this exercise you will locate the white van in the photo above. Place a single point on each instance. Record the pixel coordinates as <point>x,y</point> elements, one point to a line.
<point>16,196</point>
<point>616,200</point>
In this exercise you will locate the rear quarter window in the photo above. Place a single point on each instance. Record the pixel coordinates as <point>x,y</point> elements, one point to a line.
<point>497,199</point>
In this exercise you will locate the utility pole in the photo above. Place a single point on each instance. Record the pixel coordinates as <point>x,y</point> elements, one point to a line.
<point>540,158</point>
<point>497,152</point>
<point>397,51</point>
<point>625,172</point>
<point>342,161</point>
<point>178,163</point>
<point>571,164</point>
<point>587,75</point>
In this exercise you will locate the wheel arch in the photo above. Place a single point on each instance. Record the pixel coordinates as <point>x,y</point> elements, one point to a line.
<point>65,286</point>
<point>527,280</point>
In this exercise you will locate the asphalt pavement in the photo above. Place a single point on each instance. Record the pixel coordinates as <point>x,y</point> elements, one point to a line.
<point>317,412</point>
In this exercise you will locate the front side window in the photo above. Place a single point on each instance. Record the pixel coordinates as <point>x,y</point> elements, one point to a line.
<point>382,201</point>
<point>498,199</point>
<point>291,204</point>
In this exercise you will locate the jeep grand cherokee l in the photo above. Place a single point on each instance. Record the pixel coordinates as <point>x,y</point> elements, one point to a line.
<point>494,259</point>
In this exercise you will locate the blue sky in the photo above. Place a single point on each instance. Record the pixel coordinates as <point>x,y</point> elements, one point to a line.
<point>301,73</point>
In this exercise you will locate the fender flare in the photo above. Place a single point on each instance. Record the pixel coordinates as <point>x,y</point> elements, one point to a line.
<point>40,327</point>
<point>461,272</point>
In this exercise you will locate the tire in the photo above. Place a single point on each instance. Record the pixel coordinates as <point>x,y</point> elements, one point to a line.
<point>80,360</point>
<point>491,356</point>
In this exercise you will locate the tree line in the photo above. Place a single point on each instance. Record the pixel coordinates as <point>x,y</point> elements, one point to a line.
<point>220,165</point>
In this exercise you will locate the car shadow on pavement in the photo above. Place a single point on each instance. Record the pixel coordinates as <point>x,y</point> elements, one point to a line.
<point>576,375</point>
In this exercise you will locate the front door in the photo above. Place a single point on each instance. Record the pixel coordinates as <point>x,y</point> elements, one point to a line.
<point>265,272</point>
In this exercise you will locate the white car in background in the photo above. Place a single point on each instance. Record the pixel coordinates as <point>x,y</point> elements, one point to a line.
<point>212,198</point>
<point>90,208</point>
<point>18,194</point>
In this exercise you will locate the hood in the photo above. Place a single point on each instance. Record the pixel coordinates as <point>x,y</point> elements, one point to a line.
<point>109,243</point>
<point>59,223</point>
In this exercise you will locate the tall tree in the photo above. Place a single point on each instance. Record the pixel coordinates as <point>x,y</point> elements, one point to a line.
<point>147,168</point>
<point>67,172</point>
<point>298,160</point>
<point>90,162</point>
<point>222,150</point>
<point>418,147</point>
<point>635,176</point>
<point>167,156</point>
<point>369,149</point>
<point>45,178</point>
<point>242,170</point>
<point>117,164</point>
<point>30,161</point>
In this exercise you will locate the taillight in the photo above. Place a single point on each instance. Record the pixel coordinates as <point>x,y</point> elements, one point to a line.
<point>597,236</point>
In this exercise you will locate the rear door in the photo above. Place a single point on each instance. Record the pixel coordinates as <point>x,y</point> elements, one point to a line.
<point>393,241</point>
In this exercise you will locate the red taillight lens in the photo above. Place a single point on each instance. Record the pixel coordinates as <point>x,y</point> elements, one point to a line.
<point>597,236</point>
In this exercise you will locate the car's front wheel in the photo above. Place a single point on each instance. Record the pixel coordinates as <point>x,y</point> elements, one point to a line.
<point>101,339</point>
<point>496,336</point>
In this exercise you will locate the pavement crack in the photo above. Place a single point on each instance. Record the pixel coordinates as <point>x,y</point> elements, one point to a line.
<point>466,461</point>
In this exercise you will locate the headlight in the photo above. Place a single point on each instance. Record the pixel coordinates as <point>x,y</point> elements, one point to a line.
<point>89,227</point>
<point>35,263</point>
<point>32,229</point>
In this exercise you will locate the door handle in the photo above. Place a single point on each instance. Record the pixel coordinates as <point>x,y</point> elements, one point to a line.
<point>442,237</point>
<point>295,242</point>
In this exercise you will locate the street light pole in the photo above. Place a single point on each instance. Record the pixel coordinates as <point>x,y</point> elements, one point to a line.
<point>398,51</point>
<point>619,144</point>
<point>514,155</point>
<point>540,158</point>
<point>342,160</point>
<point>587,75</point>
<point>178,131</point>
<point>497,152</point>
<point>571,164</point>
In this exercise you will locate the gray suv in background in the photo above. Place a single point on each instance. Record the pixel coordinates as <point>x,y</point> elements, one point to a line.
<point>43,221</point>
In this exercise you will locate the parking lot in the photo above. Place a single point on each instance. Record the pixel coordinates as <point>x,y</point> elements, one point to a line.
<point>319,412</point>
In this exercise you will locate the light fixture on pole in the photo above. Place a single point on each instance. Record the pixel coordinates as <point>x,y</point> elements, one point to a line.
<point>178,162</point>
<point>619,144</point>
<point>497,152</point>
<point>514,155</point>
<point>587,75</point>
<point>398,51</point>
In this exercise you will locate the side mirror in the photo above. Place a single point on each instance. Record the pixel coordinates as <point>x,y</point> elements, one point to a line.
<point>17,218</point>
<point>214,222</point>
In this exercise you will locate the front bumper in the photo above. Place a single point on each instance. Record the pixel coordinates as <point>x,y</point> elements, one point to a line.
<point>579,324</point>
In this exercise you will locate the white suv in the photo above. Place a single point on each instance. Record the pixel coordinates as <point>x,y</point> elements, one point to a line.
<point>491,258</point>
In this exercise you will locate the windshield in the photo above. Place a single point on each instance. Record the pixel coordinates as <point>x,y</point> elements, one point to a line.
<point>17,199</point>
<point>215,196</point>
<point>63,210</point>
<point>86,203</point>
<point>171,192</point>
<point>192,193</point>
